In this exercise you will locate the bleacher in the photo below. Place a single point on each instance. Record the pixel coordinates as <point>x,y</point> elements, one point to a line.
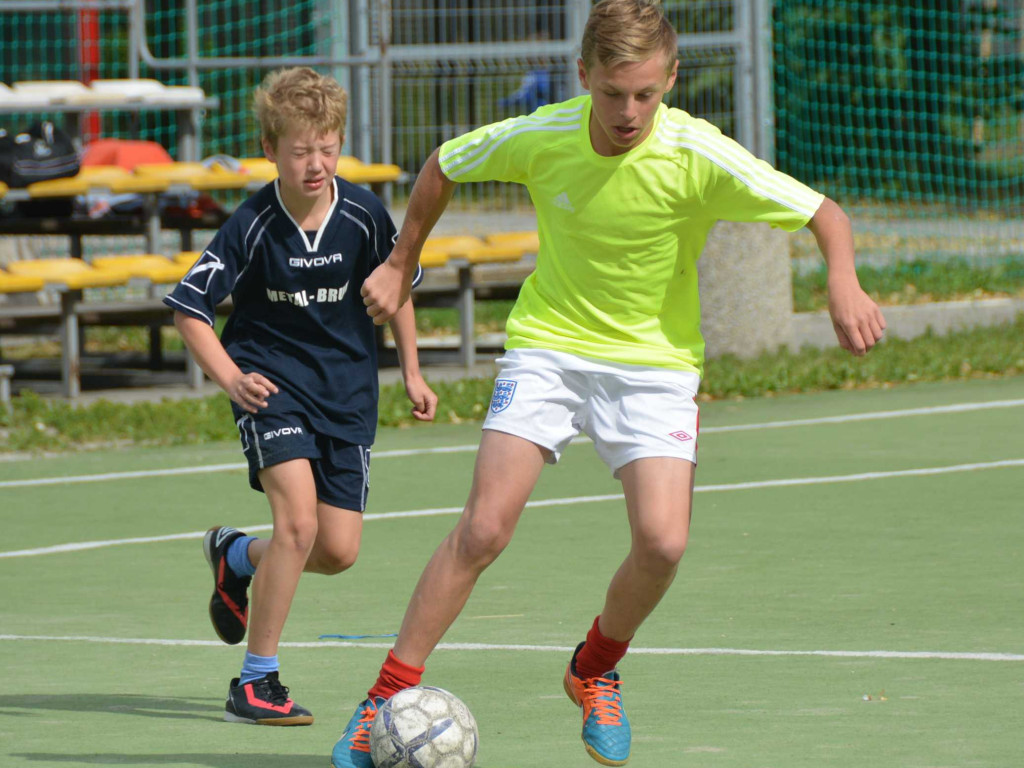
<point>62,295</point>
<point>46,295</point>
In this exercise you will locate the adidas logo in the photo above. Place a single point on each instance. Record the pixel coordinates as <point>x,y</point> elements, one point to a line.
<point>562,201</point>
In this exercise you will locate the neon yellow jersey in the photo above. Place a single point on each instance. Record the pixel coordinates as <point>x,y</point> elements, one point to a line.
<point>616,275</point>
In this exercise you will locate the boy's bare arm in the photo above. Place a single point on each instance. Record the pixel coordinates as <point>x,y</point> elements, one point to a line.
<point>857,320</point>
<point>249,390</point>
<point>403,326</point>
<point>388,286</point>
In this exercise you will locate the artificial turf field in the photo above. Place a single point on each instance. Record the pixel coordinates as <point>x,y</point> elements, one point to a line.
<point>878,556</point>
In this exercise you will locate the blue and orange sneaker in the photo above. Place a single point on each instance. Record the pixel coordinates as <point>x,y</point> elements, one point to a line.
<point>606,733</point>
<point>353,748</point>
<point>264,702</point>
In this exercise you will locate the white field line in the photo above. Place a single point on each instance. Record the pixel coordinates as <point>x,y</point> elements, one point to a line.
<point>942,655</point>
<point>796,481</point>
<point>852,417</point>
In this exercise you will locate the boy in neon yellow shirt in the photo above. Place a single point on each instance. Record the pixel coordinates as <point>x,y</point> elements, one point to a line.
<point>604,338</point>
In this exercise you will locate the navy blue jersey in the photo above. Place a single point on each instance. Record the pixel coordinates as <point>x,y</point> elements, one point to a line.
<point>298,315</point>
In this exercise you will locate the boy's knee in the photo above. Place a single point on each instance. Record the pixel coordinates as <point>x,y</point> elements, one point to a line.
<point>662,553</point>
<point>298,535</point>
<point>331,561</point>
<point>480,542</point>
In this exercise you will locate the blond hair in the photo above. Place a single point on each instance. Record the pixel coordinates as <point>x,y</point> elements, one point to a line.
<point>627,31</point>
<point>299,97</point>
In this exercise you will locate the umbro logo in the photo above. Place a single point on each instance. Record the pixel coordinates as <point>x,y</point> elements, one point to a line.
<point>680,436</point>
<point>562,201</point>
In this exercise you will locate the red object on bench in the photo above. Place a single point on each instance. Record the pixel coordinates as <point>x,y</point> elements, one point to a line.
<point>126,153</point>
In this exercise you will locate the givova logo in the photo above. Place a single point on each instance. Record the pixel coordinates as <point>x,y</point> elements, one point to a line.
<point>271,434</point>
<point>313,261</point>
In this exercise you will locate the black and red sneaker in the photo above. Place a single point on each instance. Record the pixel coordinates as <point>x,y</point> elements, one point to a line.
<point>264,702</point>
<point>229,606</point>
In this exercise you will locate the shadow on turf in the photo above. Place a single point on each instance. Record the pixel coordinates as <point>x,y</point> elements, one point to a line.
<point>184,758</point>
<point>115,704</point>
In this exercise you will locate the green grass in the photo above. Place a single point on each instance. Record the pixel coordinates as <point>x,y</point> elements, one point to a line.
<point>40,424</point>
<point>900,565</point>
<point>918,282</point>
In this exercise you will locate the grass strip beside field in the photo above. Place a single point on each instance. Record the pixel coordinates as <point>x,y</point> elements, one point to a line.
<point>37,424</point>
<point>918,282</point>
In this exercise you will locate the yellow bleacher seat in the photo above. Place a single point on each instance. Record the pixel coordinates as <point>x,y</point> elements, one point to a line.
<point>73,273</point>
<point>259,169</point>
<point>152,267</point>
<point>188,258</point>
<point>349,168</point>
<point>194,175</point>
<point>19,283</point>
<point>369,173</point>
<point>92,178</point>
<point>473,249</point>
<point>529,241</point>
<point>452,244</point>
<point>488,254</point>
<point>432,258</point>
<point>67,187</point>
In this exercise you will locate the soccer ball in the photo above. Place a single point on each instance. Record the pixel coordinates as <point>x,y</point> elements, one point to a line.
<point>423,727</point>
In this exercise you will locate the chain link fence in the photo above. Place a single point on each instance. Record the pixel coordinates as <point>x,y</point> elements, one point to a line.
<point>910,114</point>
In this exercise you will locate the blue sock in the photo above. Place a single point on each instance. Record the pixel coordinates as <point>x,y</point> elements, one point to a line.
<point>254,667</point>
<point>238,556</point>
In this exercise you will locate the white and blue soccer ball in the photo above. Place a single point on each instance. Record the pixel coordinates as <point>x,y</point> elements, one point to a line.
<point>423,727</point>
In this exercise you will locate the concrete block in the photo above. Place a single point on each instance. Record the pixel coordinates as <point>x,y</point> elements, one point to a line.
<point>746,289</point>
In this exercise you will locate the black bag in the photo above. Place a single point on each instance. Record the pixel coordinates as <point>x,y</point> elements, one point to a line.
<point>39,153</point>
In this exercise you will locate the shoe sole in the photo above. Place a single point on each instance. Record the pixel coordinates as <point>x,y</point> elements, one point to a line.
<point>590,750</point>
<point>230,717</point>
<point>208,554</point>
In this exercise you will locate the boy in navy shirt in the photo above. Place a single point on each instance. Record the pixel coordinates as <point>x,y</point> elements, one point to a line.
<point>298,359</point>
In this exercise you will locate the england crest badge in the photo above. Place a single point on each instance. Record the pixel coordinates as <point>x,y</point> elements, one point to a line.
<point>504,389</point>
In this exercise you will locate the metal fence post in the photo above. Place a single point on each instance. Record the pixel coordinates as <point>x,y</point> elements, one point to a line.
<point>384,93</point>
<point>361,99</point>
<point>743,100</point>
<point>576,14</point>
<point>764,101</point>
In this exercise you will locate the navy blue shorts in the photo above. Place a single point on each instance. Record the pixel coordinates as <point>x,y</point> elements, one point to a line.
<point>281,432</point>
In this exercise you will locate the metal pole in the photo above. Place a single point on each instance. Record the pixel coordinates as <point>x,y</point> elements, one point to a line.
<point>133,42</point>
<point>764,98</point>
<point>192,41</point>
<point>743,87</point>
<point>384,92</point>
<point>576,19</point>
<point>359,24</point>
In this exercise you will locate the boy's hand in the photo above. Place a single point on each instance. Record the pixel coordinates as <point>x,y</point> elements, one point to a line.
<point>384,292</point>
<point>857,320</point>
<point>424,401</point>
<point>251,390</point>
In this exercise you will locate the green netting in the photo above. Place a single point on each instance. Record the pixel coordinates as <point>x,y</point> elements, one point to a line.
<point>231,28</point>
<point>903,103</point>
<point>48,46</point>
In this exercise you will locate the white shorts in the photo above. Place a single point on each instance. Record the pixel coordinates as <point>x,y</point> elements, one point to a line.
<point>629,411</point>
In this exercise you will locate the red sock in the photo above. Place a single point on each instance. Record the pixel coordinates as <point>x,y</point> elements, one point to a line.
<point>395,675</point>
<point>600,654</point>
